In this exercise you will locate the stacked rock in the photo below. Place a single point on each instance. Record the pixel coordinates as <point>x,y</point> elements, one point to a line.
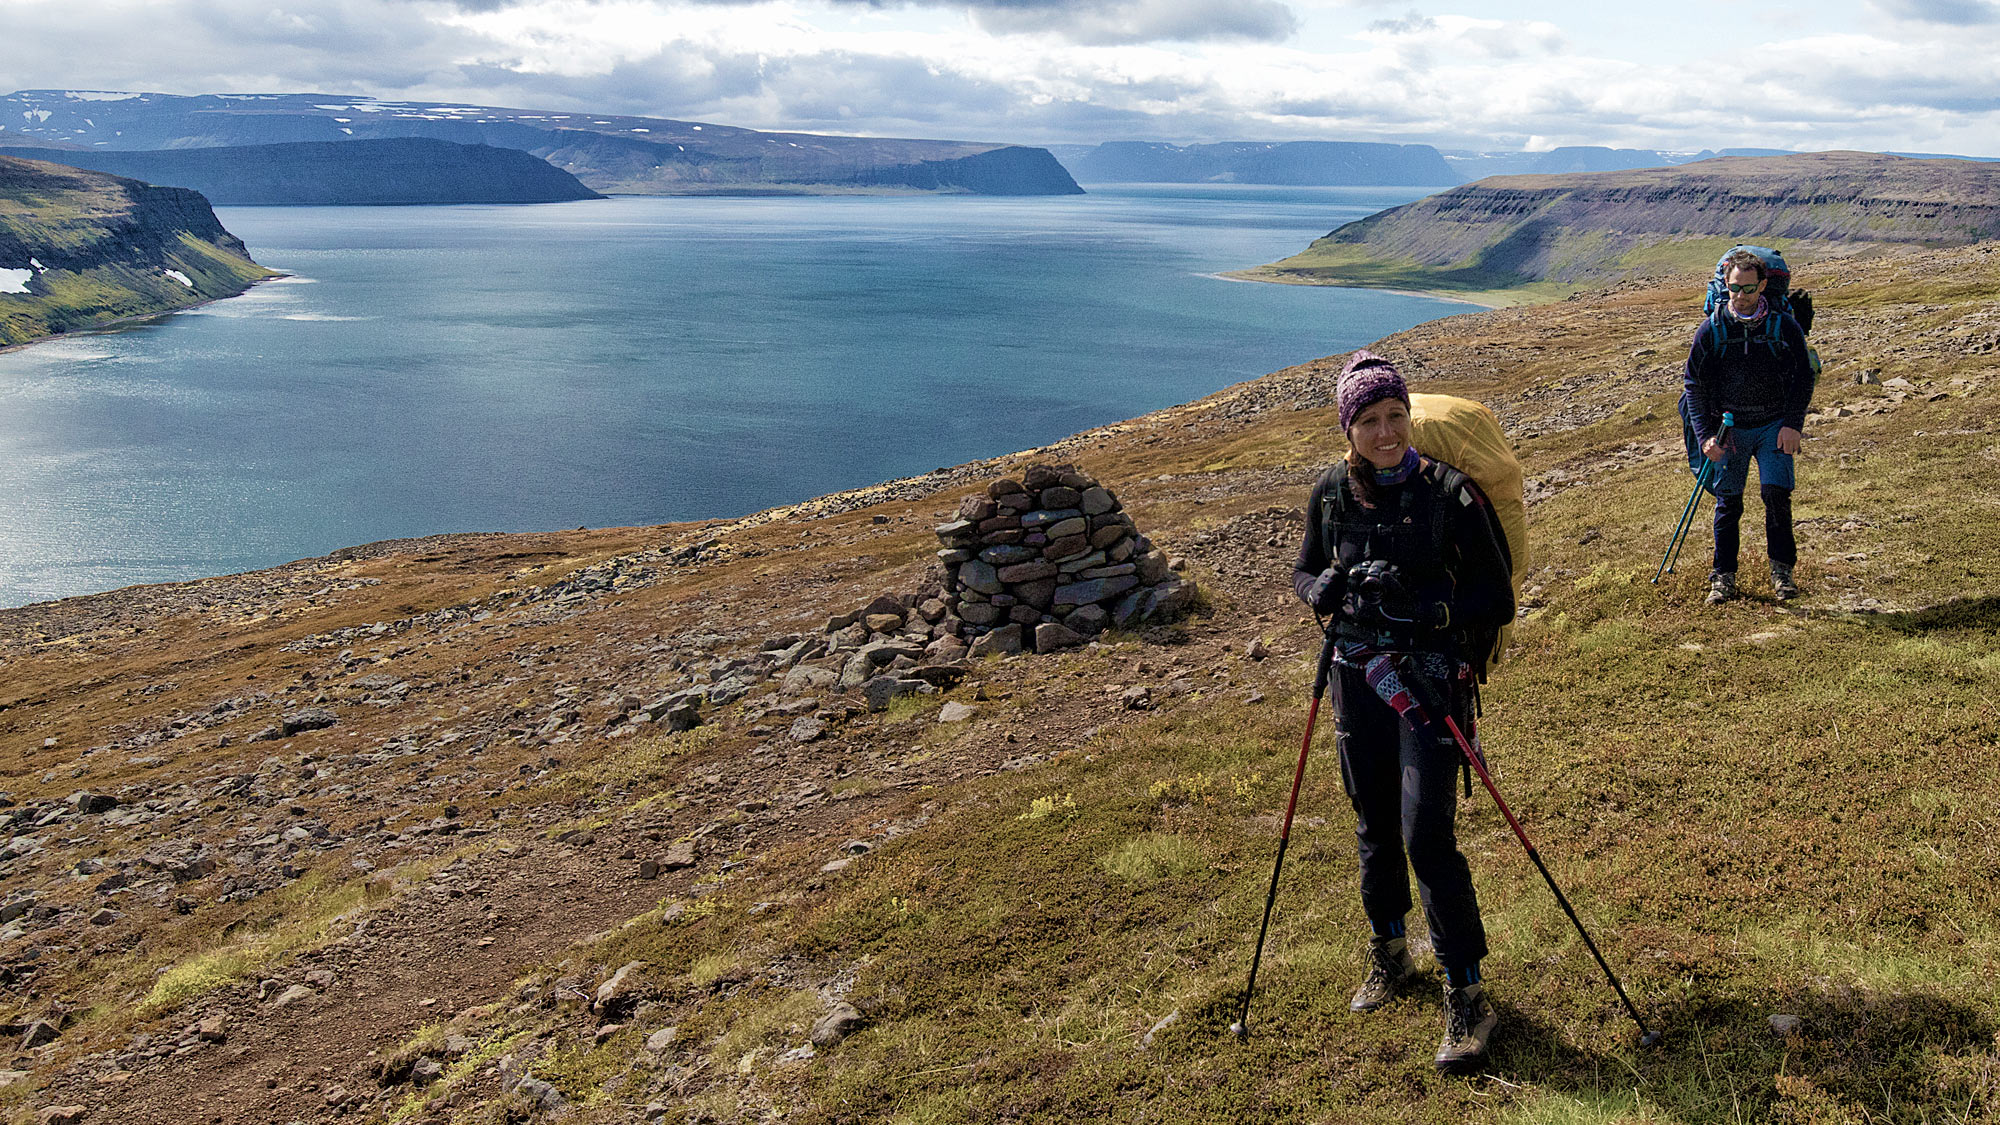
<point>1051,558</point>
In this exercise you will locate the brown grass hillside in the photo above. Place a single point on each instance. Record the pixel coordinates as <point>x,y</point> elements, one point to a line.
<point>1778,820</point>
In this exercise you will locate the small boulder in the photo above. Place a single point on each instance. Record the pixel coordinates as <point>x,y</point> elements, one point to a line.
<point>1051,636</point>
<point>90,803</point>
<point>956,712</point>
<point>309,718</point>
<point>1088,620</point>
<point>1003,641</point>
<point>681,854</point>
<point>621,992</point>
<point>543,1094</point>
<point>843,1020</point>
<point>292,995</point>
<point>40,1033</point>
<point>880,690</point>
<point>683,716</point>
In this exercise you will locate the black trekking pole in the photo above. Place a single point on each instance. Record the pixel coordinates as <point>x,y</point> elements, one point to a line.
<point>1681,529</point>
<point>1647,1036</point>
<point>1241,1028</point>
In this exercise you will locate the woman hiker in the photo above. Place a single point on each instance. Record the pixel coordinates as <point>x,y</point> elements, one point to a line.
<point>1405,554</point>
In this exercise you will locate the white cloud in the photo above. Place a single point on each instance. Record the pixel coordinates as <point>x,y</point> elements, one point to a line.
<point>1086,70</point>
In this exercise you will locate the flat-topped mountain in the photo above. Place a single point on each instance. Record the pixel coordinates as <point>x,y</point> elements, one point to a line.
<point>1506,239</point>
<point>1297,163</point>
<point>390,170</point>
<point>80,248</point>
<point>629,155</point>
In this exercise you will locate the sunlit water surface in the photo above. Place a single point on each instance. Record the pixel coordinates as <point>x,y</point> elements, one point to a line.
<point>635,361</point>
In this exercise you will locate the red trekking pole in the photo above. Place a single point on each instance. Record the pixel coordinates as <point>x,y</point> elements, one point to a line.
<point>1240,1029</point>
<point>1647,1036</point>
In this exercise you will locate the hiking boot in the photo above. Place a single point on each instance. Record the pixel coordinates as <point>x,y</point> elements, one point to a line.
<point>1389,969</point>
<point>1469,1020</point>
<point>1781,581</point>
<point>1721,586</point>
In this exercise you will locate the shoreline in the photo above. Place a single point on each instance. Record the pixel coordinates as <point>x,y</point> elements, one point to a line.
<point>113,323</point>
<point>1264,275</point>
<point>1251,276</point>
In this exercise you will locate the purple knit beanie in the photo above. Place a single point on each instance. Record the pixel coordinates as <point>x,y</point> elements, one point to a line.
<point>1366,380</point>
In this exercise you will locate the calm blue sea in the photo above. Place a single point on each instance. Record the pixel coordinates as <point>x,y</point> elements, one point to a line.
<point>635,361</point>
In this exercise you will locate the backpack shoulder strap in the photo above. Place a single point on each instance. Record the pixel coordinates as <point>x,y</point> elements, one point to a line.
<point>1333,506</point>
<point>1718,332</point>
<point>1448,484</point>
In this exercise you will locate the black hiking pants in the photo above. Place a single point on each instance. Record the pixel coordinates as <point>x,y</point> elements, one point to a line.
<point>1404,791</point>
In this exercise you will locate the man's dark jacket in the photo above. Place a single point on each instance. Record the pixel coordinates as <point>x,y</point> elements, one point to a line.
<point>1747,374</point>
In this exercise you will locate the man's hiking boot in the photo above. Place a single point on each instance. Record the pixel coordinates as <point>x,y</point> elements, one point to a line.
<point>1781,581</point>
<point>1389,969</point>
<point>1721,586</point>
<point>1469,1019</point>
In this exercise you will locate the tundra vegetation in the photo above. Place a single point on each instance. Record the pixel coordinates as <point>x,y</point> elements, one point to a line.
<point>1778,820</point>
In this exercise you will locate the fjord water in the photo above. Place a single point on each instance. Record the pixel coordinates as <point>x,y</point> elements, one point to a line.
<point>635,361</point>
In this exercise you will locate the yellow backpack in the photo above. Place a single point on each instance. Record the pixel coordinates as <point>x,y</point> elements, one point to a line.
<point>1465,435</point>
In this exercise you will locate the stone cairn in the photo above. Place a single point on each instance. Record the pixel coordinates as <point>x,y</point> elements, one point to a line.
<point>1048,561</point>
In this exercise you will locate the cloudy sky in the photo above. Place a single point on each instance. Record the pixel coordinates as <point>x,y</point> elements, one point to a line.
<point>1904,75</point>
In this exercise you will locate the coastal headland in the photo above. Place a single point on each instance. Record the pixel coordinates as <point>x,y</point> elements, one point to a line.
<point>394,834</point>
<point>80,249</point>
<point>1514,240</point>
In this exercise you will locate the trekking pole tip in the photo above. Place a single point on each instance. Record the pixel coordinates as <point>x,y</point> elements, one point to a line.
<point>1239,1031</point>
<point>1650,1040</point>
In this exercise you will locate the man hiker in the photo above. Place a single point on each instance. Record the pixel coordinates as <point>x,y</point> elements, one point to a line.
<point>1406,556</point>
<point>1744,362</point>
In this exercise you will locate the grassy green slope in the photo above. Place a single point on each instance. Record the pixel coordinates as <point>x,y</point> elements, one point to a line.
<point>107,245</point>
<point>1760,810</point>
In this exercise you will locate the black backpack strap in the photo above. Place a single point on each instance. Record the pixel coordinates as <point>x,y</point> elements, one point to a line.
<point>1333,508</point>
<point>1448,480</point>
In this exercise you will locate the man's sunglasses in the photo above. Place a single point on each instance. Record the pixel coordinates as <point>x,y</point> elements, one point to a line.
<point>1750,288</point>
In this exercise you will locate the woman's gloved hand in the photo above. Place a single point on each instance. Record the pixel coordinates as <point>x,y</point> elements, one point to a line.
<point>1325,592</point>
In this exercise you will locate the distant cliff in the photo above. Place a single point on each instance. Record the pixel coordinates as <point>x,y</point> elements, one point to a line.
<point>80,248</point>
<point>1514,238</point>
<point>634,155</point>
<point>1296,163</point>
<point>1577,158</point>
<point>388,171</point>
